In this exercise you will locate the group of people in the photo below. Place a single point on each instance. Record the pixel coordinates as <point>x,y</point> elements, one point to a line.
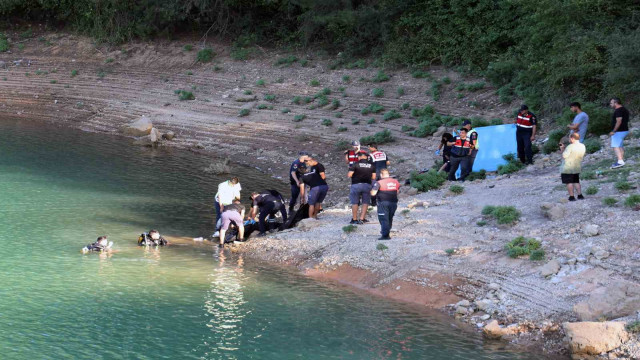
<point>102,243</point>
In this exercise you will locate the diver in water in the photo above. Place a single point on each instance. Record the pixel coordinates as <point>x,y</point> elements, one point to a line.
<point>101,244</point>
<point>151,238</point>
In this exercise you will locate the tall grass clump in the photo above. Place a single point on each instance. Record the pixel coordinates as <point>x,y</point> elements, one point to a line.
<point>205,55</point>
<point>512,165</point>
<point>502,214</point>
<point>382,137</point>
<point>429,180</point>
<point>525,246</point>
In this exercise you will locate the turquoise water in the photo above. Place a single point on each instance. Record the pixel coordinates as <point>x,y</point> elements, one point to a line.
<point>60,189</point>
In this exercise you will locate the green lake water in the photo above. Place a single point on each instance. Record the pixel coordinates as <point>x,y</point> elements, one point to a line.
<point>60,189</point>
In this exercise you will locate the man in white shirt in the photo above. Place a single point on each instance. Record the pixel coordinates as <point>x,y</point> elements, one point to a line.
<point>227,192</point>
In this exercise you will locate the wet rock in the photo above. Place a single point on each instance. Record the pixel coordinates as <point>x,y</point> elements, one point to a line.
<point>144,141</point>
<point>169,135</point>
<point>140,127</point>
<point>552,212</point>
<point>493,330</point>
<point>484,305</point>
<point>154,135</point>
<point>594,338</point>
<point>591,230</point>
<point>619,299</point>
<point>550,268</point>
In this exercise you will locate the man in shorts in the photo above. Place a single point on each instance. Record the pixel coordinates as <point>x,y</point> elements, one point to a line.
<point>620,130</point>
<point>315,178</point>
<point>572,165</point>
<point>361,175</point>
<point>232,213</point>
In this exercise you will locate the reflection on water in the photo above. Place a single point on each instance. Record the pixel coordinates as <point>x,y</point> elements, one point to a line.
<point>62,189</point>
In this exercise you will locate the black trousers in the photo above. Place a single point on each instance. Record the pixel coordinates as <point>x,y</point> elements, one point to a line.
<point>523,138</point>
<point>463,163</point>
<point>271,208</point>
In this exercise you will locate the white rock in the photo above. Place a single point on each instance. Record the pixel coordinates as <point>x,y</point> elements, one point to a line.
<point>464,303</point>
<point>140,127</point>
<point>591,230</point>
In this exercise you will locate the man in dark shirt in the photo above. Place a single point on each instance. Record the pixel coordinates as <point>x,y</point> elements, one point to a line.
<point>265,204</point>
<point>361,174</point>
<point>314,177</point>
<point>526,124</point>
<point>295,172</point>
<point>386,190</point>
<point>620,130</point>
<point>379,159</point>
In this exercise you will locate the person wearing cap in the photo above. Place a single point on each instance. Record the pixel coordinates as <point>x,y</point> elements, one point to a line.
<point>351,155</point>
<point>386,190</point>
<point>361,175</point>
<point>472,134</point>
<point>227,192</point>
<point>379,159</point>
<point>461,147</point>
<point>295,172</point>
<point>526,123</point>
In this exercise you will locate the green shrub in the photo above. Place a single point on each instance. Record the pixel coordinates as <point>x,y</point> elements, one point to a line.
<point>382,137</point>
<point>391,115</point>
<point>381,247</point>
<point>109,60</point>
<point>537,255</point>
<point>323,100</point>
<point>494,122</point>
<point>327,122</point>
<point>446,80</point>
<point>477,122</point>
<point>240,53</point>
<point>314,82</point>
<point>506,94</point>
<point>358,64</point>
<point>405,106</point>
<point>425,129</point>
<point>377,92</point>
<point>592,145</point>
<point>343,145</point>
<point>74,73</point>
<point>450,251</point>
<point>380,77</point>
<point>264,106</point>
<point>429,180</point>
<point>355,121</point>
<point>244,112</point>
<point>323,92</point>
<point>400,91</point>
<point>346,78</point>
<point>288,60</point>
<point>405,211</point>
<point>502,214</point>
<point>338,115</point>
<point>285,110</point>
<point>101,74</point>
<point>481,223</point>
<point>407,128</point>
<point>349,228</point>
<point>53,81</point>
<point>342,129</point>
<point>420,74</point>
<point>476,86</point>
<point>269,97</point>
<point>217,68</point>
<point>609,201</point>
<point>524,246</point>
<point>632,201</point>
<point>187,47</point>
<point>299,118</point>
<point>623,185</point>
<point>248,92</point>
<point>512,165</point>
<point>435,90</point>
<point>477,175</point>
<point>185,95</point>
<point>335,103</point>
<point>427,110</point>
<point>456,189</point>
<point>260,82</point>
<point>633,327</point>
<point>371,121</point>
<point>205,55</point>
<point>591,190</point>
<point>372,108</point>
<point>554,139</point>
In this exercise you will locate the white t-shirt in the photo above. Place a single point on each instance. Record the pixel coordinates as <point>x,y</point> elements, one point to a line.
<point>227,192</point>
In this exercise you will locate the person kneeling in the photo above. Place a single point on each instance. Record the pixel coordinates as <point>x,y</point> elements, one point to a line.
<point>266,204</point>
<point>151,238</point>
<point>232,213</point>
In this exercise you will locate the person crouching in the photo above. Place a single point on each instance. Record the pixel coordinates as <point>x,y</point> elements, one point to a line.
<point>386,189</point>
<point>266,204</point>
<point>232,213</point>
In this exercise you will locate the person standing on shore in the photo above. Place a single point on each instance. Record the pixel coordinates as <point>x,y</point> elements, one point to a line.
<point>580,121</point>
<point>572,165</point>
<point>361,175</point>
<point>386,190</point>
<point>351,155</point>
<point>620,130</point>
<point>526,124</point>
<point>379,159</point>
<point>460,150</point>
<point>315,178</point>
<point>472,134</point>
<point>295,172</point>
<point>227,192</point>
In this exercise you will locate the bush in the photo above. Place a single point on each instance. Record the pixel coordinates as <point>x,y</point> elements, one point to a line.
<point>633,327</point>
<point>435,90</point>
<point>285,110</point>
<point>382,137</point>
<point>512,165</point>
<point>372,108</point>
<point>420,74</point>
<point>338,115</point>
<point>335,103</point>
<point>349,228</point>
<point>477,122</point>
<point>592,145</point>
<point>314,82</point>
<point>380,77</point>
<point>343,145</point>
<point>481,223</point>
<point>429,180</point>
<point>623,185</point>
<point>591,190</point>
<point>524,246</point>
<point>371,121</point>
<point>248,92</point>
<point>185,95</point>
<point>450,251</point>
<point>407,128</point>
<point>456,189</point>
<point>342,129</point>
<point>475,86</point>
<point>400,91</point>
<point>205,55</point>
<point>427,110</point>
<point>269,97</point>
<point>609,201</point>
<point>502,214</point>
<point>322,100</point>
<point>355,121</point>
<point>187,47</point>
<point>405,106</point>
<point>324,91</point>
<point>244,112</point>
<point>381,247</point>
<point>299,118</point>
<point>74,73</point>
<point>446,80</point>
<point>327,122</point>
<point>391,115</point>
<point>260,82</point>
<point>554,139</point>
<point>346,78</point>
<point>288,60</point>
<point>264,106</point>
<point>377,92</point>
<point>632,201</point>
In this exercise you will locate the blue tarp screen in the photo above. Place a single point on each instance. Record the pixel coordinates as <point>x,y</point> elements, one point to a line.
<point>494,141</point>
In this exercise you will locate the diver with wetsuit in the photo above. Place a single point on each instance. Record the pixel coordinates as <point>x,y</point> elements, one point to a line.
<point>151,238</point>
<point>100,245</point>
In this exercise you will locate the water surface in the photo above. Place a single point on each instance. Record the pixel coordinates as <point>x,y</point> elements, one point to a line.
<point>61,188</point>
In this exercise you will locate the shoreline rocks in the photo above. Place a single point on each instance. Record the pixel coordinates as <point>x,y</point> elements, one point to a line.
<point>594,338</point>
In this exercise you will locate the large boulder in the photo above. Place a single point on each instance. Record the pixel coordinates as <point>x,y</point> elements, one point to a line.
<point>593,338</point>
<point>140,127</point>
<point>552,212</point>
<point>493,330</point>
<point>550,268</point>
<point>619,299</point>
<point>169,135</point>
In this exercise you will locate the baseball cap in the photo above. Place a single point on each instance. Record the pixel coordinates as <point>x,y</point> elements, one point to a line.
<point>524,107</point>
<point>466,122</point>
<point>355,143</point>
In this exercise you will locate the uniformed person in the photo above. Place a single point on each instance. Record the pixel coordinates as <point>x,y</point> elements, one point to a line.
<point>386,190</point>
<point>526,124</point>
